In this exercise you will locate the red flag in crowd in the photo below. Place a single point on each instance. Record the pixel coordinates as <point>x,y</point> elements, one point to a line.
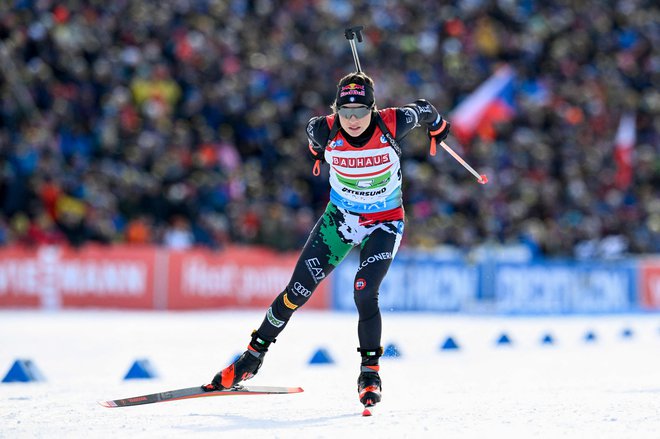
<point>623,150</point>
<point>492,102</point>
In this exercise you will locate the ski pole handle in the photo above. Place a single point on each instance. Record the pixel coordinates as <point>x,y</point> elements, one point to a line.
<point>354,31</point>
<point>482,179</point>
<point>350,35</point>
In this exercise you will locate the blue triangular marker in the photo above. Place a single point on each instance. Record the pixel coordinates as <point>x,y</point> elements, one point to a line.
<point>141,369</point>
<point>590,336</point>
<point>547,339</point>
<point>449,344</point>
<point>23,371</point>
<point>391,351</point>
<point>321,356</point>
<point>504,340</point>
<point>627,333</point>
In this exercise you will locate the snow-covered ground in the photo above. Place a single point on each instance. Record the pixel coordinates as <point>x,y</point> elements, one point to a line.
<point>606,389</point>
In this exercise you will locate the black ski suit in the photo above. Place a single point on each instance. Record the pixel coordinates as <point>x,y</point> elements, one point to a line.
<point>340,229</point>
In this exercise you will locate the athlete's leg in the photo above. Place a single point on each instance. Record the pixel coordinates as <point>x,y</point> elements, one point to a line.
<point>376,256</point>
<point>324,250</point>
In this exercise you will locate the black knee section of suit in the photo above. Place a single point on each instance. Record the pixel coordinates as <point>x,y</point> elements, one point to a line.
<point>366,302</point>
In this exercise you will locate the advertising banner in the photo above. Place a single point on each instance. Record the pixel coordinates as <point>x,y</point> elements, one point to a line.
<point>650,284</point>
<point>55,277</point>
<point>562,287</point>
<point>413,284</point>
<point>129,277</point>
<point>146,278</point>
<point>233,278</point>
<point>20,278</point>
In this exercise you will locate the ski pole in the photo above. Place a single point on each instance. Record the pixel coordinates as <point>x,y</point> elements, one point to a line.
<point>480,178</point>
<point>350,35</point>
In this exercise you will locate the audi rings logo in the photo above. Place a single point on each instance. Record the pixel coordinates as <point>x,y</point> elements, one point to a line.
<point>298,288</point>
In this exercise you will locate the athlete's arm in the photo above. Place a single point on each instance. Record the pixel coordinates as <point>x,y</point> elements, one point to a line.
<point>420,112</point>
<point>317,134</point>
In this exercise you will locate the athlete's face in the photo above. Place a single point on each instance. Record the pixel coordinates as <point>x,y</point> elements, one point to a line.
<point>350,120</point>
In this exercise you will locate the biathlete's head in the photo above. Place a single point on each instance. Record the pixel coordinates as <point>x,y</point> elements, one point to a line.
<point>355,102</point>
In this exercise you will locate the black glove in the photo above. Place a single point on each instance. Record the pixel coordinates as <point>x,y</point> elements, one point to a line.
<point>315,151</point>
<point>437,133</point>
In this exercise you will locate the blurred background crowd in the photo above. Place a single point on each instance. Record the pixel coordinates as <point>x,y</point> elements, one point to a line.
<point>181,122</point>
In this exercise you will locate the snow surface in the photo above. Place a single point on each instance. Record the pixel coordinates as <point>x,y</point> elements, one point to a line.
<point>572,389</point>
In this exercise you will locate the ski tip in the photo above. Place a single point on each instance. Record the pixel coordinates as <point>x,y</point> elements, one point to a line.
<point>368,408</point>
<point>295,390</point>
<point>107,404</point>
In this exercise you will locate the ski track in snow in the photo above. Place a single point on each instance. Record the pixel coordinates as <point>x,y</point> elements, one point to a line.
<point>572,389</point>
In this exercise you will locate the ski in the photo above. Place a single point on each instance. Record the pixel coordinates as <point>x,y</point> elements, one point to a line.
<point>368,408</point>
<point>198,392</point>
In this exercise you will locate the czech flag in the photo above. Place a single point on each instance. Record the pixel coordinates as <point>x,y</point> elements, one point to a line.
<point>626,135</point>
<point>491,103</point>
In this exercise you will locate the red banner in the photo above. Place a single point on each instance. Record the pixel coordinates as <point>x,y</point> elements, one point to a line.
<point>146,278</point>
<point>19,278</point>
<point>236,278</point>
<point>650,284</point>
<point>54,277</point>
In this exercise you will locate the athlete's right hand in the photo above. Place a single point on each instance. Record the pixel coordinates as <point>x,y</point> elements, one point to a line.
<point>315,151</point>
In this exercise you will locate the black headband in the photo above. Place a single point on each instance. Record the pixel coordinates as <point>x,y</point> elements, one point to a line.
<point>355,92</point>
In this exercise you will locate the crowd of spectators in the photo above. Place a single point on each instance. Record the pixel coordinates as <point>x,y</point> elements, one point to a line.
<point>181,122</point>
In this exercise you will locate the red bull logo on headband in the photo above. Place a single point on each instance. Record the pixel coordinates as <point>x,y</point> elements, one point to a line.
<point>355,91</point>
<point>352,89</point>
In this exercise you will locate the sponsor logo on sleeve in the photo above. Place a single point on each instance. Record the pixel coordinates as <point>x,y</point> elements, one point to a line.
<point>410,115</point>
<point>288,303</point>
<point>315,269</point>
<point>383,256</point>
<point>299,289</point>
<point>272,320</point>
<point>425,108</point>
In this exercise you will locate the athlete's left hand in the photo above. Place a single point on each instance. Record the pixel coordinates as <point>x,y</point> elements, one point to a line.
<point>439,131</point>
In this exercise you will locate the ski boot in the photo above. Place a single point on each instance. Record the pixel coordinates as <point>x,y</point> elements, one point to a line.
<point>244,368</point>
<point>369,384</point>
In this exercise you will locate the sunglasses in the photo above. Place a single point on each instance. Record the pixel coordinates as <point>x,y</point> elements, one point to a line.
<point>359,112</point>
